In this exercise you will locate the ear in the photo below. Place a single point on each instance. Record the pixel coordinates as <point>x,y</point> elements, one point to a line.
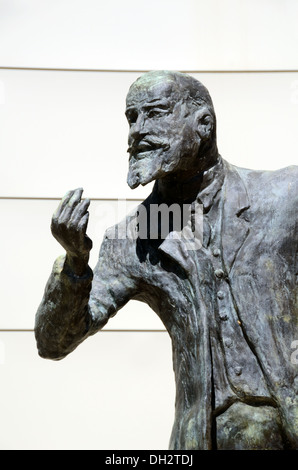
<point>204,124</point>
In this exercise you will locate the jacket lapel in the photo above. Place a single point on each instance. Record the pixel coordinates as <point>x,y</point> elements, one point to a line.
<point>179,247</point>
<point>235,222</point>
<point>235,226</point>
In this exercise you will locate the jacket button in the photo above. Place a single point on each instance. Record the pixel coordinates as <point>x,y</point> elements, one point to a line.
<point>220,294</point>
<point>216,252</point>
<point>238,370</point>
<point>219,273</point>
<point>223,315</point>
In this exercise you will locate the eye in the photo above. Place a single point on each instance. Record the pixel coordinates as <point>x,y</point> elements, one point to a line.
<point>131,116</point>
<point>155,112</point>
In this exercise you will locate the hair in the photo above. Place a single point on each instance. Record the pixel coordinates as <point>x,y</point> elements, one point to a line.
<point>187,88</point>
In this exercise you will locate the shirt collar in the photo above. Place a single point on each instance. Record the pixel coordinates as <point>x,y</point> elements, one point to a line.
<point>212,182</point>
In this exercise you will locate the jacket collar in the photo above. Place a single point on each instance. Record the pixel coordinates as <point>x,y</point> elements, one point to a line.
<point>211,184</point>
<point>235,226</point>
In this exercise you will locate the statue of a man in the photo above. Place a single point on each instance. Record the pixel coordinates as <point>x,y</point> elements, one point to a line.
<point>229,303</point>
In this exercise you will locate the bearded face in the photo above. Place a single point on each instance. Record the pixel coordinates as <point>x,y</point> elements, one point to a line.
<point>163,137</point>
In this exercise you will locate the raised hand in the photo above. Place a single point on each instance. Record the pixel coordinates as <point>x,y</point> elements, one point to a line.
<point>69,225</point>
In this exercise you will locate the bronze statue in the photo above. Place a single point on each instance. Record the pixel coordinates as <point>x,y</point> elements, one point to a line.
<point>228,300</point>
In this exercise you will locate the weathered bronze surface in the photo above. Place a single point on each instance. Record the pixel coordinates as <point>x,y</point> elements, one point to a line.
<point>225,291</point>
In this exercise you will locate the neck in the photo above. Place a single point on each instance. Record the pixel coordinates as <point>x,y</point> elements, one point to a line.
<point>183,186</point>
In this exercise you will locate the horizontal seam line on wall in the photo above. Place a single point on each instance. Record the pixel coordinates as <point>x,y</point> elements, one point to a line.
<point>30,330</point>
<point>49,69</point>
<point>59,198</point>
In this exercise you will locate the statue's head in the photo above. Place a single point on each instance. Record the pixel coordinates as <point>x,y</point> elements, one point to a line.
<point>172,127</point>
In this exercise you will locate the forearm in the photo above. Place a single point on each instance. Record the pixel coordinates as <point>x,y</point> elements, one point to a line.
<point>77,306</point>
<point>64,319</point>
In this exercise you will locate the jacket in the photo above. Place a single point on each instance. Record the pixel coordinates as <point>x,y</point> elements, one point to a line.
<point>258,237</point>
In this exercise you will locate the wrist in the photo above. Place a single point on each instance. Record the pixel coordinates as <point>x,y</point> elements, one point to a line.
<point>77,265</point>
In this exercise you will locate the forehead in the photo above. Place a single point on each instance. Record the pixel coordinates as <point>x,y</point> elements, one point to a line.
<point>144,91</point>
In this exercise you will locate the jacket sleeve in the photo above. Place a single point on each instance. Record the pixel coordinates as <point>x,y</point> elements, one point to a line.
<point>74,308</point>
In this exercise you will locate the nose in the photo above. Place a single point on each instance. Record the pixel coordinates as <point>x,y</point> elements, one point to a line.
<point>138,128</point>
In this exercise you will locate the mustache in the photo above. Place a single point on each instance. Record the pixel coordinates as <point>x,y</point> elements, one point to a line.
<point>147,144</point>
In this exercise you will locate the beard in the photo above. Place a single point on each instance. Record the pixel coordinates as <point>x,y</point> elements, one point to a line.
<point>143,169</point>
<point>155,163</point>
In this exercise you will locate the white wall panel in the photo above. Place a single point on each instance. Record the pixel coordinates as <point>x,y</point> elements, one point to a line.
<point>28,254</point>
<point>61,130</point>
<point>149,34</point>
<point>115,391</point>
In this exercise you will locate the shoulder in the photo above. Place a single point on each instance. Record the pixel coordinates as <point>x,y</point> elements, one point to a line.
<point>277,186</point>
<point>280,176</point>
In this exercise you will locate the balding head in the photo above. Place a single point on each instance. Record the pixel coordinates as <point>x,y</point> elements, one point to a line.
<point>184,87</point>
<point>172,126</point>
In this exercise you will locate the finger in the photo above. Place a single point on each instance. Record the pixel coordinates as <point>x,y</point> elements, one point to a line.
<point>73,201</point>
<point>79,211</point>
<point>63,203</point>
<point>82,226</point>
<point>86,241</point>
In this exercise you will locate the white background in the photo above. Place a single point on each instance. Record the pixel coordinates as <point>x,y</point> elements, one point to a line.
<point>65,70</point>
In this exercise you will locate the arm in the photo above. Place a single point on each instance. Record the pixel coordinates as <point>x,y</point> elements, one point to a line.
<point>76,302</point>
